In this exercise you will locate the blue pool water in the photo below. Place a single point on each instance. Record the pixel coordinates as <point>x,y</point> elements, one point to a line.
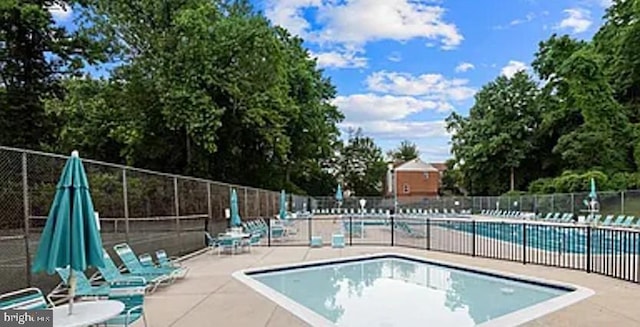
<point>556,239</point>
<point>394,291</point>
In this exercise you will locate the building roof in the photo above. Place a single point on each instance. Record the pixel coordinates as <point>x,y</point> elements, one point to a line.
<point>439,166</point>
<point>415,165</point>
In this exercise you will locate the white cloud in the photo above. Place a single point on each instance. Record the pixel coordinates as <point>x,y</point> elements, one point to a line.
<point>513,67</point>
<point>518,21</point>
<point>577,20</point>
<point>356,22</point>
<point>60,13</point>
<point>604,3</point>
<point>429,86</point>
<point>399,130</point>
<point>337,59</point>
<point>395,57</point>
<point>465,66</point>
<point>371,107</point>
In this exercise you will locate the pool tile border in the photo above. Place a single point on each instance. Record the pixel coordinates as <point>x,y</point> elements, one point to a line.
<point>576,294</point>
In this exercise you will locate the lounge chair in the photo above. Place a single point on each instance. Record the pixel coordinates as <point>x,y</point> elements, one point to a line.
<point>134,266</point>
<point>111,273</point>
<point>84,287</point>
<point>24,299</point>
<point>627,222</point>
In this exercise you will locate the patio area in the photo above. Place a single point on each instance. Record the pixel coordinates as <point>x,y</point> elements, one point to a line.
<point>211,296</point>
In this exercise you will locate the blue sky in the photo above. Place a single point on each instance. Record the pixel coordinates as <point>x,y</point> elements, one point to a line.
<point>402,66</point>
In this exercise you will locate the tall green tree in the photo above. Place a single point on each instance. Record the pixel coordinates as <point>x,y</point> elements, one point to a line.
<point>35,54</point>
<point>361,165</point>
<point>406,151</point>
<point>498,135</point>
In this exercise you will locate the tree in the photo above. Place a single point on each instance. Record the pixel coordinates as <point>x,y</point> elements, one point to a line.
<point>362,166</point>
<point>35,54</point>
<point>498,134</point>
<point>206,88</point>
<point>406,151</point>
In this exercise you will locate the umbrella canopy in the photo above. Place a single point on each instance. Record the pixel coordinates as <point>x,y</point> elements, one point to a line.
<point>339,197</point>
<point>235,213</point>
<point>71,238</point>
<point>283,205</point>
<point>593,193</point>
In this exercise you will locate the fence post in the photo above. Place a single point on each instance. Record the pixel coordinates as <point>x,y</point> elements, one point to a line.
<point>125,199</point>
<point>209,209</point>
<point>520,204</point>
<point>524,243</point>
<point>176,201</point>
<point>573,203</point>
<point>310,224</point>
<point>350,230</point>
<point>245,204</point>
<point>473,238</point>
<point>622,202</point>
<point>428,233</point>
<point>25,203</point>
<point>257,203</point>
<point>269,231</point>
<point>393,229</point>
<point>588,249</point>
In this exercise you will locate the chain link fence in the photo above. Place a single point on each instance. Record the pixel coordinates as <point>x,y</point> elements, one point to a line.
<point>611,203</point>
<point>148,210</point>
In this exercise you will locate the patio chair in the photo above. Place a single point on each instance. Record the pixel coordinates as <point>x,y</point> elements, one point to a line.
<point>84,287</point>
<point>134,266</point>
<point>131,293</point>
<point>337,241</point>
<point>24,299</point>
<point>607,221</point>
<point>212,242</point>
<point>627,222</point>
<point>227,243</point>
<point>619,220</point>
<point>110,273</point>
<point>277,233</point>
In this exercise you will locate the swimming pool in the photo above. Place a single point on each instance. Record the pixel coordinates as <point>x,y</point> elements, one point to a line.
<point>399,290</point>
<point>554,238</point>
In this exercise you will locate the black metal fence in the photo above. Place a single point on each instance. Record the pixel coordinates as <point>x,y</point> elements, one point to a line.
<point>611,202</point>
<point>148,210</point>
<point>613,252</point>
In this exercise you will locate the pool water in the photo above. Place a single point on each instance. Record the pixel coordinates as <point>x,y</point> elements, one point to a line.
<point>396,291</point>
<point>555,238</point>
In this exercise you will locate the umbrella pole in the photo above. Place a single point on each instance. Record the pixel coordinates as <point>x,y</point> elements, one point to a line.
<point>72,289</point>
<point>72,276</point>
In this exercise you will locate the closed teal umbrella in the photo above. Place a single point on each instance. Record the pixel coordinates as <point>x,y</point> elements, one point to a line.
<point>593,193</point>
<point>235,213</point>
<point>70,237</point>
<point>283,205</point>
<point>339,197</point>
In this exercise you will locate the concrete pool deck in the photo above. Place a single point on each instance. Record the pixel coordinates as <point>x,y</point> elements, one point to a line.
<point>210,296</point>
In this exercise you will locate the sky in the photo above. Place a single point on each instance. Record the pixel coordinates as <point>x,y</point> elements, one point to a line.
<point>402,66</point>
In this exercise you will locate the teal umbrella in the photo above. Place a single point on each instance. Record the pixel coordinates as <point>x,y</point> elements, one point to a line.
<point>71,238</point>
<point>283,205</point>
<point>593,193</point>
<point>235,213</point>
<point>339,197</point>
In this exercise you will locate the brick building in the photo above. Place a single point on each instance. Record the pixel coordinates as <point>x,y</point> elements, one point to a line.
<point>416,179</point>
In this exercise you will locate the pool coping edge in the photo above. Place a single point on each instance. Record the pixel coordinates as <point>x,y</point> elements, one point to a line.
<point>575,293</point>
